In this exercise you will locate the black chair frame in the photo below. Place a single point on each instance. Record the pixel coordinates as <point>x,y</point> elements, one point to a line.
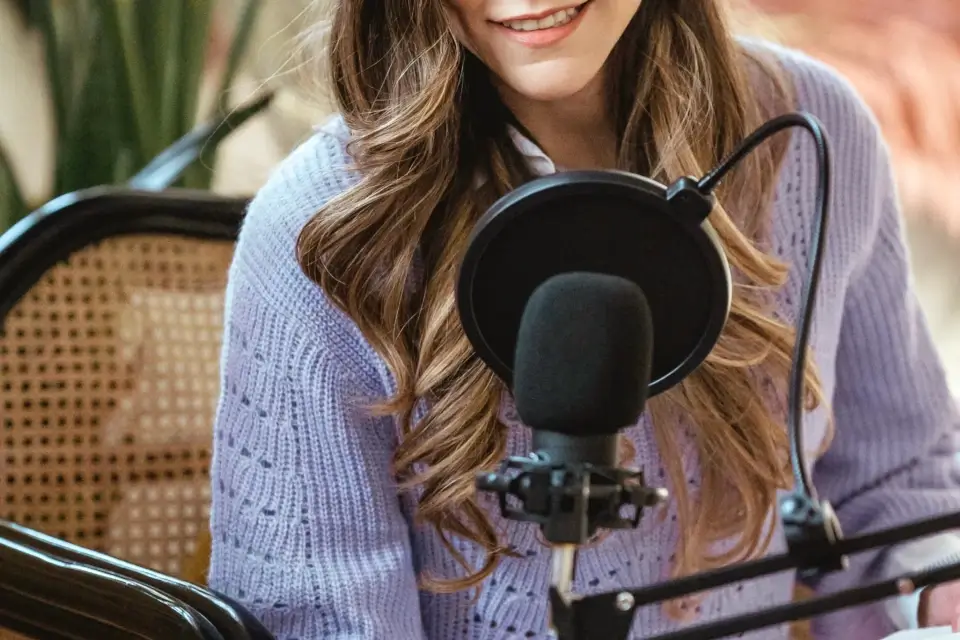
<point>73,221</point>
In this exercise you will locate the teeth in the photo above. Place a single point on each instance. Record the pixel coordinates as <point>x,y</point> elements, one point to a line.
<point>559,18</point>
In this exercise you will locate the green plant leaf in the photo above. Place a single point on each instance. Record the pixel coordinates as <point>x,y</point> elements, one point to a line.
<point>94,143</point>
<point>119,32</point>
<point>169,36</point>
<point>27,11</point>
<point>126,79</point>
<point>238,49</point>
<point>198,17</point>
<point>150,36</point>
<point>57,77</point>
<point>13,206</point>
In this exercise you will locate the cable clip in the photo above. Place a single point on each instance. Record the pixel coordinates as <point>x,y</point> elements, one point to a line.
<point>689,202</point>
<point>812,530</point>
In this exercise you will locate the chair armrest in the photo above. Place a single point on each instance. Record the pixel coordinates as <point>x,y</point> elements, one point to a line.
<point>231,620</point>
<point>54,597</point>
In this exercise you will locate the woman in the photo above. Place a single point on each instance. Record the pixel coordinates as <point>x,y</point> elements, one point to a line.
<point>354,415</point>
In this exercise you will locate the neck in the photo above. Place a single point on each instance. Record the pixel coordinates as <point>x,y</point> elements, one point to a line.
<point>575,132</point>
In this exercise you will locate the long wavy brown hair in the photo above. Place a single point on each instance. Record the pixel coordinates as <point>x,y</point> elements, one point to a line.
<point>425,119</point>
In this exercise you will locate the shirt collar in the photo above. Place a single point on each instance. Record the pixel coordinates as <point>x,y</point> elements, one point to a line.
<point>538,161</point>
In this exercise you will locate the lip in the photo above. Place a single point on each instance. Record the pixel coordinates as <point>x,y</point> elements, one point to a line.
<point>542,14</point>
<point>545,37</point>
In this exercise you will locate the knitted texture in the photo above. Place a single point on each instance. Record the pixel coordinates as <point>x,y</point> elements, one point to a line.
<point>309,531</point>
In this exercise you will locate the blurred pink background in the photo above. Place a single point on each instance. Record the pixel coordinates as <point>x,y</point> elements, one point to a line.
<point>904,58</point>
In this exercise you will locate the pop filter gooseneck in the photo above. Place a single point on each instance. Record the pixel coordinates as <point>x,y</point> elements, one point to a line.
<point>796,388</point>
<point>635,230</point>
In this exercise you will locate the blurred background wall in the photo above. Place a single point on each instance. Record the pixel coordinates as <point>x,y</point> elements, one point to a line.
<point>904,57</point>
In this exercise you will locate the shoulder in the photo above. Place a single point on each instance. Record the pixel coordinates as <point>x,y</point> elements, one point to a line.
<point>296,190</point>
<point>266,270</point>
<point>822,90</point>
<point>860,161</point>
<point>858,153</point>
<point>316,171</point>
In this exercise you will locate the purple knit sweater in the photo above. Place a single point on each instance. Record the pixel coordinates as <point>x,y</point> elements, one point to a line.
<point>309,531</point>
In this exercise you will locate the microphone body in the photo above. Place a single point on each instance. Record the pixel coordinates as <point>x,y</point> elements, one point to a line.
<point>582,370</point>
<point>584,351</point>
<point>600,450</point>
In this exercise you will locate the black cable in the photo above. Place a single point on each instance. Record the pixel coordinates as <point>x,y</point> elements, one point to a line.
<point>797,387</point>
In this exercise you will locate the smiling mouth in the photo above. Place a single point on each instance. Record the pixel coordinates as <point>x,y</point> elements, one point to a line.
<point>556,19</point>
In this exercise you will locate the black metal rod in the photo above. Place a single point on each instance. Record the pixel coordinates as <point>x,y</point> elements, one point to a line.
<point>598,612</point>
<point>712,579</point>
<point>899,534</point>
<point>814,607</point>
<point>783,562</point>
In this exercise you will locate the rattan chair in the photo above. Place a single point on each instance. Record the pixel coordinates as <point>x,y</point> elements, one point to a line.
<point>111,304</point>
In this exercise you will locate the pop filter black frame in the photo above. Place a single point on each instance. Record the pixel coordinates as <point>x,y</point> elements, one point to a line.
<point>650,198</point>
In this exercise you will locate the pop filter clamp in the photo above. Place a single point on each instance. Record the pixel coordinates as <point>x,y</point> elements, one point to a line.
<point>572,503</point>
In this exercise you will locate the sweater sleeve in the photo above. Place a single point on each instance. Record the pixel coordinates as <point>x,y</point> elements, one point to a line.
<point>307,528</point>
<point>894,458</point>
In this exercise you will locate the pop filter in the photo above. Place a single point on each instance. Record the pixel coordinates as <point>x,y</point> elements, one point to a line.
<point>607,222</point>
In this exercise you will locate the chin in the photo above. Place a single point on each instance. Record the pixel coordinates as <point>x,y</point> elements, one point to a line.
<point>550,86</point>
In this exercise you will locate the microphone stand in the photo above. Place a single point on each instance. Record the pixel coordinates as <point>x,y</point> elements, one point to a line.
<point>569,492</point>
<point>573,500</point>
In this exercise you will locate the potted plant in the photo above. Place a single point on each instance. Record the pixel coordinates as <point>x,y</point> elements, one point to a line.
<point>126,80</point>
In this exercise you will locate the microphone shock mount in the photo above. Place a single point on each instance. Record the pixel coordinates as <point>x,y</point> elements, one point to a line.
<point>569,501</point>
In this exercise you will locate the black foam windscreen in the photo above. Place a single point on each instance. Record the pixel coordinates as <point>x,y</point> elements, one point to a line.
<point>602,222</point>
<point>583,355</point>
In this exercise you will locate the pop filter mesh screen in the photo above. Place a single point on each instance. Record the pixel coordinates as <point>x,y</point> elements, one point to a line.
<point>594,232</point>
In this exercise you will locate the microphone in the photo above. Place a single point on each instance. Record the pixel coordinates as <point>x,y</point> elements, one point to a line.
<point>581,374</point>
<point>555,298</point>
<point>582,365</point>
